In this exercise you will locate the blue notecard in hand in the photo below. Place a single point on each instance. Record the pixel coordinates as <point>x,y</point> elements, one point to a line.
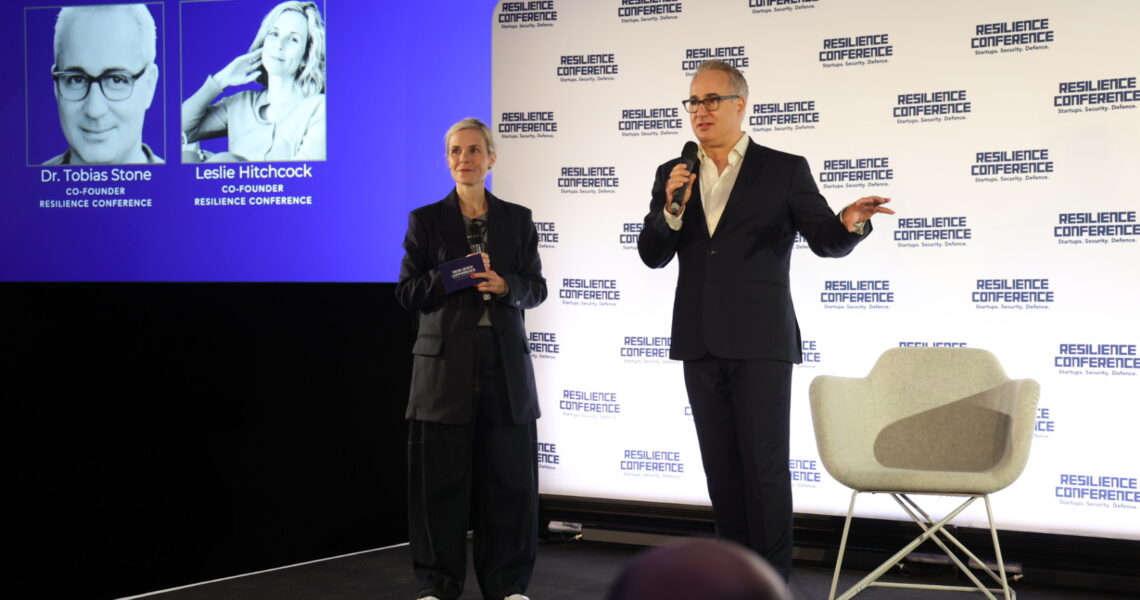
<point>456,274</point>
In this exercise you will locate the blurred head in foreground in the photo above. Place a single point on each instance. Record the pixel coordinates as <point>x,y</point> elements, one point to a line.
<point>698,569</point>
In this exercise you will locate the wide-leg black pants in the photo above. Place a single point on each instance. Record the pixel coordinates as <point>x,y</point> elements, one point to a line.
<point>482,476</point>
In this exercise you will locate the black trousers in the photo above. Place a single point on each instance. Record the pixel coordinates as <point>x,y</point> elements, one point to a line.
<point>741,409</point>
<point>482,476</point>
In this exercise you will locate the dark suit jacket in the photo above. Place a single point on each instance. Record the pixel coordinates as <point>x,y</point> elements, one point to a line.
<point>444,361</point>
<point>733,299</point>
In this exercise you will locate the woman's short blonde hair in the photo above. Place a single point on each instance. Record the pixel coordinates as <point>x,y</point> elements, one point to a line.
<point>470,123</point>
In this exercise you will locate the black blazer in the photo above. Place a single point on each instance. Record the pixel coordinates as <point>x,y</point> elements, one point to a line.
<point>733,299</point>
<point>444,362</point>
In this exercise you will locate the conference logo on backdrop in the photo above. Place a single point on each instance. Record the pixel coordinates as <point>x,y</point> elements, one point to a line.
<point>856,51</point>
<point>858,172</point>
<point>590,404</point>
<point>1099,228</point>
<point>1013,294</point>
<point>1044,426</point>
<point>788,115</point>
<point>647,11</point>
<point>527,125</point>
<point>811,353</point>
<point>805,472</point>
<point>1011,37</point>
<point>1099,95</point>
<point>547,232</point>
<point>636,349</point>
<point>1017,165</point>
<point>627,238</point>
<point>767,7</point>
<point>580,291</point>
<point>736,56</point>
<point>651,121</point>
<point>944,106</point>
<point>548,457</point>
<point>588,179</point>
<point>528,15</point>
<point>639,462</point>
<point>1098,360</point>
<point>1112,491</point>
<point>543,344</point>
<point>860,294</point>
<point>577,68</point>
<point>933,232</point>
<point>929,344</point>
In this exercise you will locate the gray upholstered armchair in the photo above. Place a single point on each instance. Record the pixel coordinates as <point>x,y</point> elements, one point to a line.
<point>941,421</point>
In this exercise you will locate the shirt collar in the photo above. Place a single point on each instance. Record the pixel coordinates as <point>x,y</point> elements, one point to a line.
<point>735,155</point>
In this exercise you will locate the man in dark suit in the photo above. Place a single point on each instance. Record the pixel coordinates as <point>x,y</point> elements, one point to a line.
<point>472,408</point>
<point>734,325</point>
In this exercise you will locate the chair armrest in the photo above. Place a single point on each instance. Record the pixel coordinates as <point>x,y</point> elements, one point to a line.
<point>844,420</point>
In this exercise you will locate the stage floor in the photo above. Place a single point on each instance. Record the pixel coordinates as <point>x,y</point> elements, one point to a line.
<point>567,571</point>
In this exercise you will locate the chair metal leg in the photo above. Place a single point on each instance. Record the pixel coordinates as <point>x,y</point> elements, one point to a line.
<point>980,587</point>
<point>931,530</point>
<point>1001,580</point>
<point>842,545</point>
<point>1009,594</point>
<point>883,568</point>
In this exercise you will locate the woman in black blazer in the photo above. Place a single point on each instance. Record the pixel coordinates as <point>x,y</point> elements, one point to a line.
<point>473,404</point>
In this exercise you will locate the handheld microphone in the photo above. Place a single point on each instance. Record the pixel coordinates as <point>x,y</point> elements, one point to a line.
<point>689,157</point>
<point>477,240</point>
<point>476,231</point>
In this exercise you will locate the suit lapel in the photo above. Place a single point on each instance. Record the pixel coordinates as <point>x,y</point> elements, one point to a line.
<point>497,222</point>
<point>452,231</point>
<point>750,169</point>
<point>695,210</point>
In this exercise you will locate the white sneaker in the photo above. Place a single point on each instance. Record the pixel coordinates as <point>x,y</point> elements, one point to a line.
<point>516,597</point>
<point>428,598</point>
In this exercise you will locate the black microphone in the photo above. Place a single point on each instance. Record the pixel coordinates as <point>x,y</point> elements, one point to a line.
<point>477,240</point>
<point>475,235</point>
<point>689,157</point>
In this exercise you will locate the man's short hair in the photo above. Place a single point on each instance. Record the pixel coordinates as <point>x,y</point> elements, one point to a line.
<point>138,12</point>
<point>470,123</point>
<point>739,84</point>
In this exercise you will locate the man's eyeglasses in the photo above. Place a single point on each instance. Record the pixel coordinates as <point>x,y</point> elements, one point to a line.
<point>711,103</point>
<point>116,84</point>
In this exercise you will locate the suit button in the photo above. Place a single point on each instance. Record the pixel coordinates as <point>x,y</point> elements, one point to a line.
<point>711,252</point>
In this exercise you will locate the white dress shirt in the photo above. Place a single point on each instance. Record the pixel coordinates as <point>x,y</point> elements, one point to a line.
<point>715,186</point>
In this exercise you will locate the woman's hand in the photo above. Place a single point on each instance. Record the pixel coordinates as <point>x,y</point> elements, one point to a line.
<point>241,70</point>
<point>493,282</point>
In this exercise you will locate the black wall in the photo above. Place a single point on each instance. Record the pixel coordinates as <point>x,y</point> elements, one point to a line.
<point>162,434</point>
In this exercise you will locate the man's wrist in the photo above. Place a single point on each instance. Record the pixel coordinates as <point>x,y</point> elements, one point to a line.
<point>674,220</point>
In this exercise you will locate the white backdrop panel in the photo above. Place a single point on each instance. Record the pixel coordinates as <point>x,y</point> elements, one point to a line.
<point>994,197</point>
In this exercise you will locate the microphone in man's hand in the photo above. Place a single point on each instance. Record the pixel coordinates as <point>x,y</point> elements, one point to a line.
<point>689,157</point>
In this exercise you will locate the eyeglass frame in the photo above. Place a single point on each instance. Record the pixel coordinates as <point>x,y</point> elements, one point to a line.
<point>134,77</point>
<point>705,102</point>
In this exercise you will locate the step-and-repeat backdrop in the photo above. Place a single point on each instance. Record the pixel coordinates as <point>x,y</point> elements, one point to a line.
<point>1006,135</point>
